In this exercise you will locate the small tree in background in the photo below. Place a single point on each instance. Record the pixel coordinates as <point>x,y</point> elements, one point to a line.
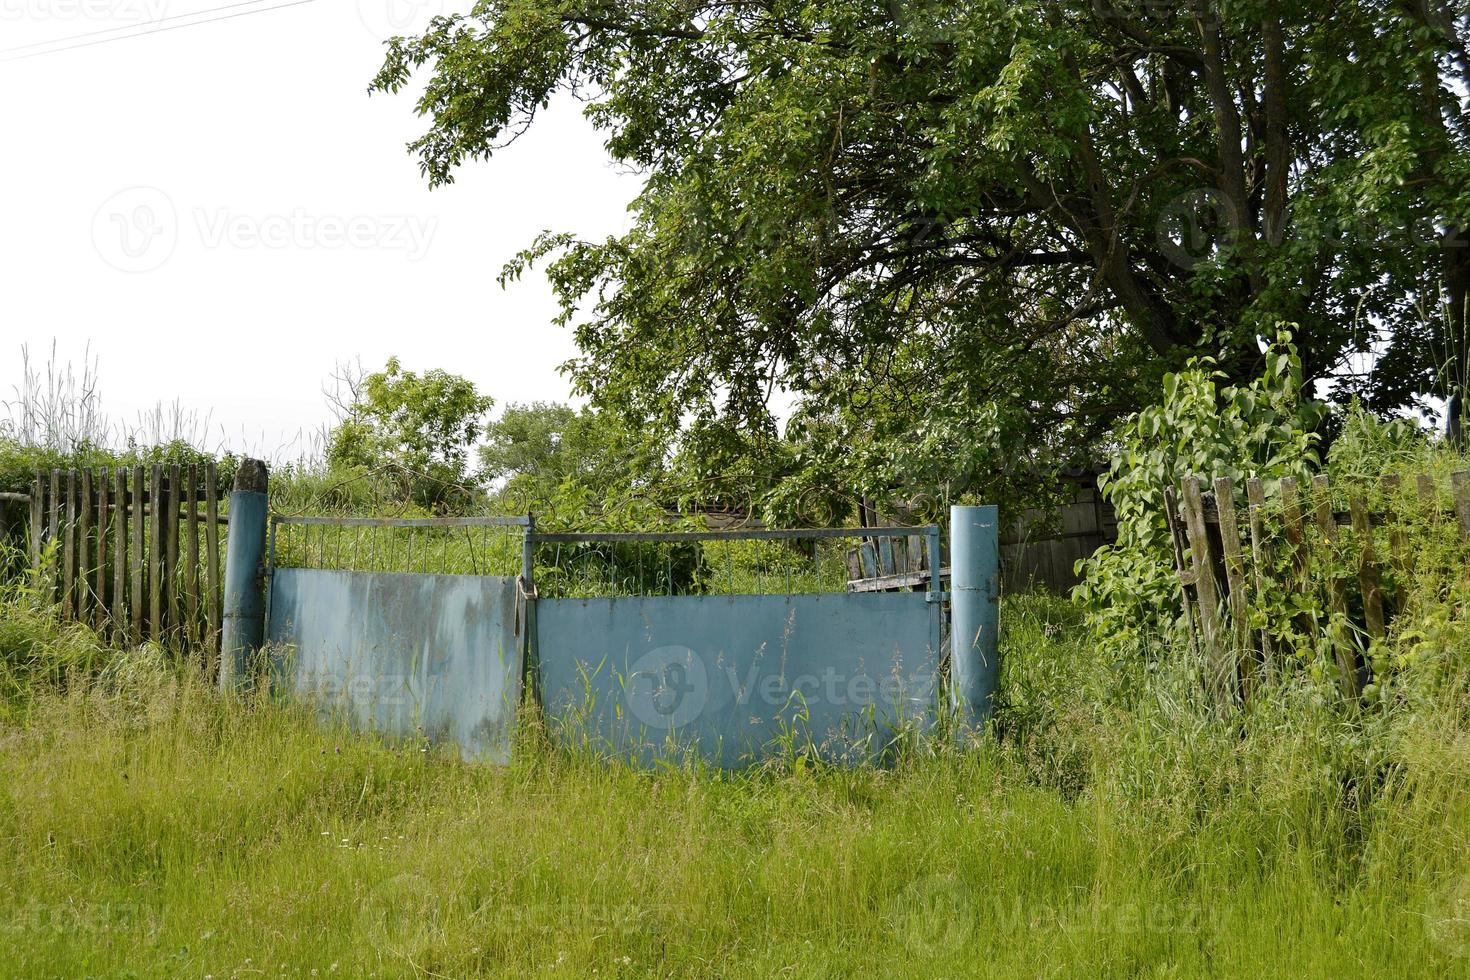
<point>418,429</point>
<point>570,465</point>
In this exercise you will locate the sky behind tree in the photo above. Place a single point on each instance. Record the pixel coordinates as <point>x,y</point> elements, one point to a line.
<point>223,214</point>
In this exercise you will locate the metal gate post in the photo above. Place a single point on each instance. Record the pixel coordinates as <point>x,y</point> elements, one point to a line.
<point>243,627</point>
<point>530,647</point>
<point>975,604</point>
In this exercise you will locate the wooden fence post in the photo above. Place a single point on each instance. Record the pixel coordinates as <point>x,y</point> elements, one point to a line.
<point>1461,483</point>
<point>170,527</point>
<point>1240,673</point>
<point>1186,577</point>
<point>38,511</point>
<point>1337,594</point>
<point>120,558</point>
<point>1216,657</point>
<point>140,557</point>
<point>1368,577</point>
<point>84,550</point>
<point>1296,537</point>
<point>156,622</point>
<point>69,547</point>
<point>191,556</point>
<point>53,537</point>
<point>1261,560</point>
<point>1398,538</point>
<point>104,516</point>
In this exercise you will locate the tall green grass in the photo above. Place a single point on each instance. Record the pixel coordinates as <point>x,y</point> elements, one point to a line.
<point>149,827</point>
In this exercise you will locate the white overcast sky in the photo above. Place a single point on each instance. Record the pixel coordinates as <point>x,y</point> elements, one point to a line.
<point>224,214</point>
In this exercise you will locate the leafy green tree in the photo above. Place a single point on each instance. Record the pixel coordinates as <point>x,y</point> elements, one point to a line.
<point>532,450</point>
<point>416,429</point>
<point>1011,214</point>
<point>556,460</point>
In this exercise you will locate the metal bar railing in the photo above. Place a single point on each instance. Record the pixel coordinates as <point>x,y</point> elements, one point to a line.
<point>429,522</point>
<point>931,533</point>
<point>679,537</point>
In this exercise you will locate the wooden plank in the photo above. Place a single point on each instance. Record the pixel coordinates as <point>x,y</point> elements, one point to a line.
<point>1461,483</point>
<point>907,582</point>
<point>1368,576</point>
<point>156,622</point>
<point>53,537</point>
<point>1186,577</point>
<point>69,549</point>
<point>170,524</point>
<point>38,511</point>
<point>120,557</point>
<point>1342,648</point>
<point>212,559</point>
<point>191,557</point>
<point>1322,501</point>
<point>1428,496</point>
<point>1398,536</point>
<point>1238,600</point>
<point>1261,562</point>
<point>885,557</point>
<point>1300,556</point>
<point>139,558</point>
<point>1217,658</point>
<point>99,582</point>
<point>84,549</point>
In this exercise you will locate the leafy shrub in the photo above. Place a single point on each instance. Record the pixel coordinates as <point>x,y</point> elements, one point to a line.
<point>1265,429</point>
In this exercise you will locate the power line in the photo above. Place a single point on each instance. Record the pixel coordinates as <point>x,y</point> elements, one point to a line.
<point>156,30</point>
<point>130,27</point>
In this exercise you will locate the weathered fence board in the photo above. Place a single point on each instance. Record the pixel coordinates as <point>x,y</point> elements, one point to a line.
<point>1215,569</point>
<point>107,548</point>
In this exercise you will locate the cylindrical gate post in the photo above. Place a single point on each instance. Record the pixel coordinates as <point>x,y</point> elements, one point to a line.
<point>975,608</point>
<point>243,628</point>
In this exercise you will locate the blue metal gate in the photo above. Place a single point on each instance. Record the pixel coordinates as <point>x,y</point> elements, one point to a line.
<point>408,653</point>
<point>731,678</point>
<point>448,651</point>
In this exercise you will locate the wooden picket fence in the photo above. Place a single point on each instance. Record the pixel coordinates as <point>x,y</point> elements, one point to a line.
<point>135,552</point>
<point>1218,571</point>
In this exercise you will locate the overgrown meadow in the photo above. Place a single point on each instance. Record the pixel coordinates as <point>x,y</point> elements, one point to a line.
<point>152,827</point>
<point>1113,821</point>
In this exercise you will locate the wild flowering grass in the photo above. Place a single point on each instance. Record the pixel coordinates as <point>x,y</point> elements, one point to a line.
<point>149,827</point>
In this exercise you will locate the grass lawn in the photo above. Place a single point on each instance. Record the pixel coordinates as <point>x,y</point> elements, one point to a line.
<point>150,828</point>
